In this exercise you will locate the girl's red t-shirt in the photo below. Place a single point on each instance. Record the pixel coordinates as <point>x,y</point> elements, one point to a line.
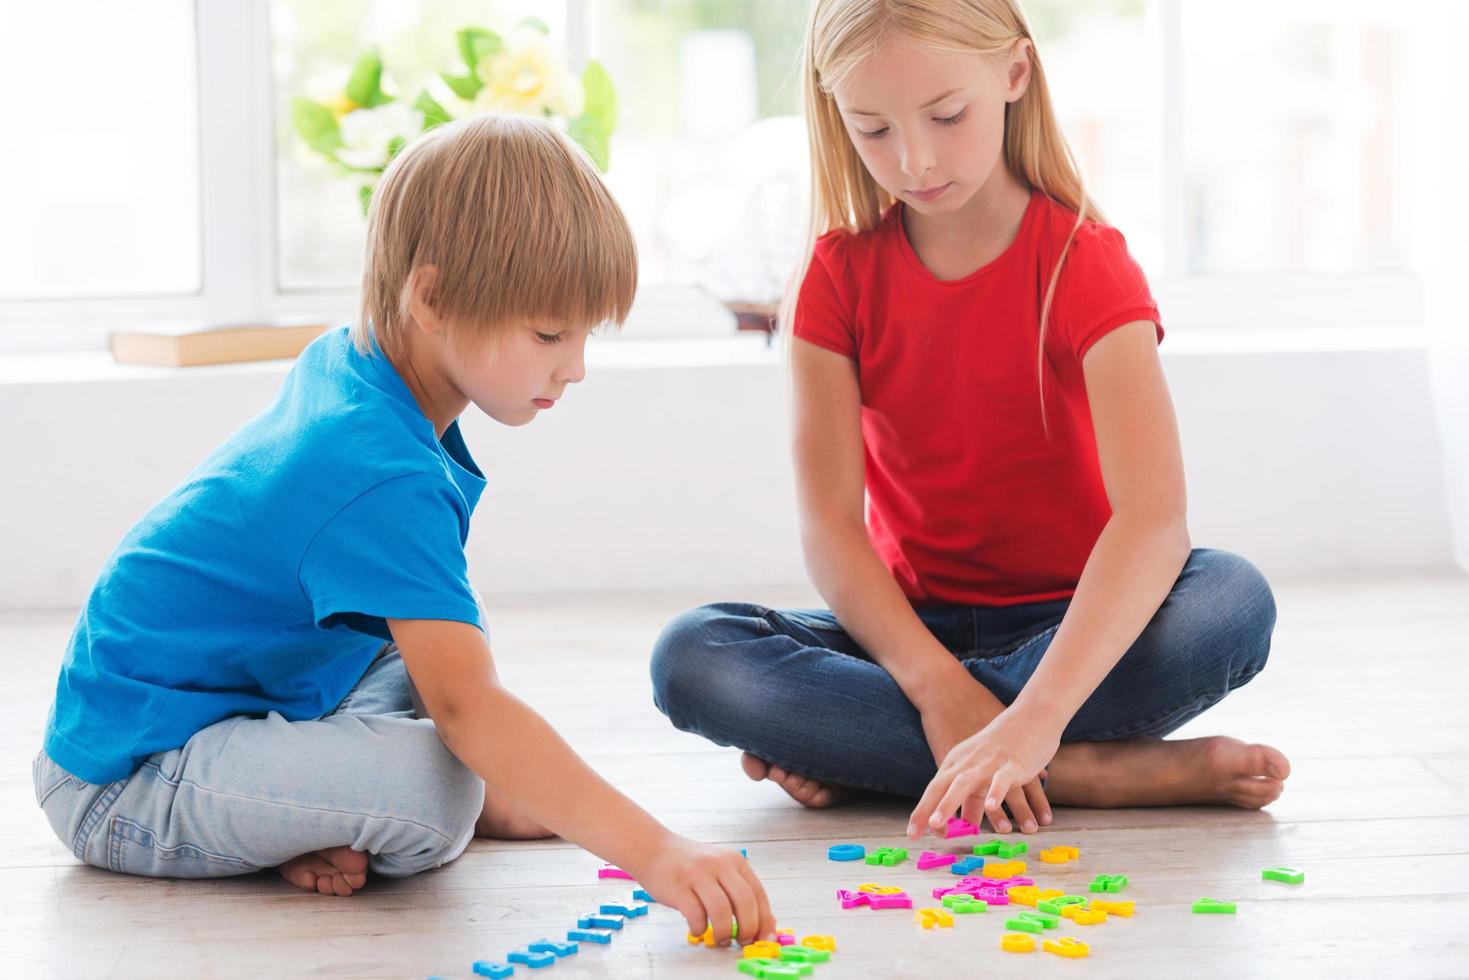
<point>972,498</point>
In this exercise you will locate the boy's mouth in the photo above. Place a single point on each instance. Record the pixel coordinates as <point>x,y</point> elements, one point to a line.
<point>543,402</point>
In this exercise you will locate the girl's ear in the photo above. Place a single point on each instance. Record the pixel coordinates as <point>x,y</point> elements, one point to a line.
<point>421,283</point>
<point>1018,70</point>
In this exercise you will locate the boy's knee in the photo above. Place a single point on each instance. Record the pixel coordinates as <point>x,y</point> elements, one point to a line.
<point>439,799</point>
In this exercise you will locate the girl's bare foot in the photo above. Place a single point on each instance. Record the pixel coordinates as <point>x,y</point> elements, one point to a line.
<point>501,821</point>
<point>329,871</point>
<point>805,791</point>
<point>1154,772</point>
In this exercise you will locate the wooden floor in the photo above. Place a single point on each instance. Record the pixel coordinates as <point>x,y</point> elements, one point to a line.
<point>1367,691</point>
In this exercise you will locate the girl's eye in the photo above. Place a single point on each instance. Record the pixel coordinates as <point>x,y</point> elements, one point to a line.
<point>874,134</point>
<point>952,120</point>
<point>548,338</point>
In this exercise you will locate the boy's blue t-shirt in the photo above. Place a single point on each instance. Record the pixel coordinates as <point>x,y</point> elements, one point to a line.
<point>262,582</point>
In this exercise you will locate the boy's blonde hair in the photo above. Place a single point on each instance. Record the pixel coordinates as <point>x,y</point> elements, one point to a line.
<point>840,34</point>
<point>517,222</point>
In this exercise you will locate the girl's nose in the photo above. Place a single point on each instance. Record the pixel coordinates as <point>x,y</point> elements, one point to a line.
<point>916,159</point>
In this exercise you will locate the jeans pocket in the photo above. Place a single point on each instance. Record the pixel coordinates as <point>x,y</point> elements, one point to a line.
<point>134,850</point>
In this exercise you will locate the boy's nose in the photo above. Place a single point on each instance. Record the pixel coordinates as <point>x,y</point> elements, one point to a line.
<point>573,370</point>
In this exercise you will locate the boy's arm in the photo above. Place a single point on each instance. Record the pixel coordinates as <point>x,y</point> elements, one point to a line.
<point>525,762</point>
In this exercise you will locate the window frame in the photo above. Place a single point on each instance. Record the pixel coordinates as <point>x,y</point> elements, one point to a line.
<point>237,152</point>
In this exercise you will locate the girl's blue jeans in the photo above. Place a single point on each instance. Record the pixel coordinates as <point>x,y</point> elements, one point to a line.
<point>792,687</point>
<point>251,793</point>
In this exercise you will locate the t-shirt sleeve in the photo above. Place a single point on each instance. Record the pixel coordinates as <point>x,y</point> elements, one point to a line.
<point>1101,288</point>
<point>823,306</point>
<point>395,551</point>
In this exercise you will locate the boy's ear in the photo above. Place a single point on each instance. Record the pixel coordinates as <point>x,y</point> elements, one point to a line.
<point>1018,78</point>
<point>422,299</point>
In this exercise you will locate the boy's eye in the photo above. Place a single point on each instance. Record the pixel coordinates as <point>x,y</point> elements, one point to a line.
<point>548,338</point>
<point>952,120</point>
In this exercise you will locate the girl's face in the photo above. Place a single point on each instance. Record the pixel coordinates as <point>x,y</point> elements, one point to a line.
<point>930,125</point>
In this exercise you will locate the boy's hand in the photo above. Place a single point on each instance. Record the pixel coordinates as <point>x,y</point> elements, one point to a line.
<point>958,711</point>
<point>710,886</point>
<point>991,767</point>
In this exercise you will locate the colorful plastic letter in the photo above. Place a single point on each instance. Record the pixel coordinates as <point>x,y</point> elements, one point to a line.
<point>589,936</point>
<point>557,949</point>
<point>959,827</point>
<point>1008,851</point>
<point>765,967</point>
<point>1290,876</point>
<point>629,912</point>
<point>962,904</point>
<point>888,857</point>
<point>1046,920</point>
<point>600,922</point>
<point>1015,942</point>
<point>796,953</point>
<point>1123,909</point>
<point>612,871</point>
<point>640,895</point>
<point>765,948</point>
<point>485,968</point>
<point>820,941</point>
<point>928,859</point>
<point>1059,854</point>
<point>1066,946</point>
<point>989,848</point>
<point>1055,905</point>
<point>1210,906</point>
<point>785,937</point>
<point>1024,894</point>
<point>1085,916</point>
<point>965,865</point>
<point>1023,925</point>
<point>851,900</point>
<point>1108,883</point>
<point>533,960</point>
<point>928,918</point>
<point>846,852</point>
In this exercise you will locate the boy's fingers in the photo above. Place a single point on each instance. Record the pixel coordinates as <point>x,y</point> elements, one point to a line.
<point>716,903</point>
<point>766,925</point>
<point>693,912</point>
<point>746,911</point>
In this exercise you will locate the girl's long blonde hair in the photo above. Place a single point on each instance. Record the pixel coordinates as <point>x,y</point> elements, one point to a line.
<point>840,35</point>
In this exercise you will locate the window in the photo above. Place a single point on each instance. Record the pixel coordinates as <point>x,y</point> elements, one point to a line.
<point>1257,155</point>
<point>100,193</point>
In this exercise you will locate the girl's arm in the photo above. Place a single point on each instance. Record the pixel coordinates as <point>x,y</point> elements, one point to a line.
<point>858,587</point>
<point>1131,570</point>
<point>525,762</point>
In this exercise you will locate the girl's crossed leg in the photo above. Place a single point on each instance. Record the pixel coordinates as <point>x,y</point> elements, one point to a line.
<point>816,714</point>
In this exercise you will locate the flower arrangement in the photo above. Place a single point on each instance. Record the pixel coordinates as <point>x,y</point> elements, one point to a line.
<point>360,132</point>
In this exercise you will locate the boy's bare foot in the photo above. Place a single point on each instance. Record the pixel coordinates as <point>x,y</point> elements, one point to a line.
<point>501,821</point>
<point>329,871</point>
<point>805,791</point>
<point>1154,772</point>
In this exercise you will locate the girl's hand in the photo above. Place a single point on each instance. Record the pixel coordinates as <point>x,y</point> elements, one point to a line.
<point>708,885</point>
<point>991,767</point>
<point>958,711</point>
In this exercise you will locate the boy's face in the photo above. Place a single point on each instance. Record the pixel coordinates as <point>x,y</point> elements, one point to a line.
<point>522,372</point>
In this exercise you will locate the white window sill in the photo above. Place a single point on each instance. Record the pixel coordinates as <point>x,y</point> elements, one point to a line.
<point>738,350</point>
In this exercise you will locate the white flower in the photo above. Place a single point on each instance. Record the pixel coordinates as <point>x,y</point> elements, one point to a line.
<point>367,133</point>
<point>525,77</point>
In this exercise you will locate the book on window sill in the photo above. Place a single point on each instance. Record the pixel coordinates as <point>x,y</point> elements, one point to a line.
<point>190,346</point>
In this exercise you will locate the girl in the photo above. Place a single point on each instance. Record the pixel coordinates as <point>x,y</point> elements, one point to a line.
<point>975,353</point>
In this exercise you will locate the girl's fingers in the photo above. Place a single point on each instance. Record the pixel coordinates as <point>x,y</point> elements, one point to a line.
<point>766,922</point>
<point>1039,805</point>
<point>746,911</point>
<point>1020,810</point>
<point>716,903</point>
<point>920,817</point>
<point>993,800</point>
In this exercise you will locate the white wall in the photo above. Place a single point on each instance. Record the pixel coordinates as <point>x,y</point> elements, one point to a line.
<point>668,467</point>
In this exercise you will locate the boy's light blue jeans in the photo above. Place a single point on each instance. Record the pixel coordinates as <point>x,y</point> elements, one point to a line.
<point>251,793</point>
<point>791,687</point>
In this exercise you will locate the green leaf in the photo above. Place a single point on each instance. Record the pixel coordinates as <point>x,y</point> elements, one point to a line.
<point>316,126</point>
<point>433,113</point>
<point>476,43</point>
<point>394,145</point>
<point>534,23</point>
<point>464,86</point>
<point>593,128</point>
<point>364,194</point>
<point>365,85</point>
